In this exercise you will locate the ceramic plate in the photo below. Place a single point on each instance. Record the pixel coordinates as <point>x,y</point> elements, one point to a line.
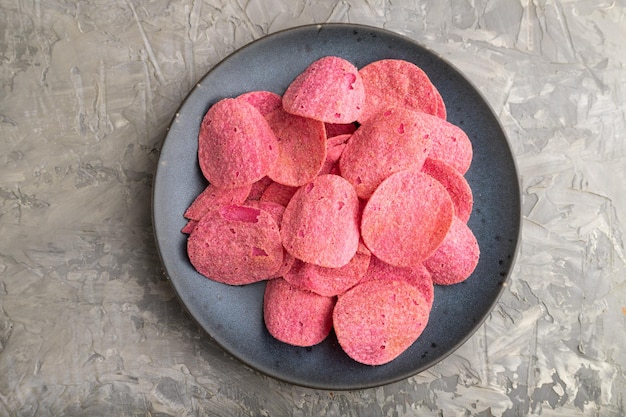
<point>232,316</point>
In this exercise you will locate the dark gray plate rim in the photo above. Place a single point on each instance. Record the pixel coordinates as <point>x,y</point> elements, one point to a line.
<point>232,316</point>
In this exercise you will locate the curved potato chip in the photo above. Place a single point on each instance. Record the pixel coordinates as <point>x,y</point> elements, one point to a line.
<point>278,193</point>
<point>418,276</point>
<point>213,197</point>
<point>236,245</point>
<point>320,224</point>
<point>375,321</point>
<point>389,141</point>
<point>295,316</point>
<point>301,148</point>
<point>264,101</point>
<point>455,184</point>
<point>450,143</point>
<point>236,146</point>
<point>329,90</point>
<point>406,218</point>
<point>330,281</point>
<point>398,83</point>
<point>457,256</point>
<point>336,129</point>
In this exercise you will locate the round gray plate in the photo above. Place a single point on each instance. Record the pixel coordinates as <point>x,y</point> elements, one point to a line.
<point>233,315</point>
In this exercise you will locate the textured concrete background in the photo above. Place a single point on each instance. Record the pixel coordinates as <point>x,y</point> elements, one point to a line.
<point>90,326</point>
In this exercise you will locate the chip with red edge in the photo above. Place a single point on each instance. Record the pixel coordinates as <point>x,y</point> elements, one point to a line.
<point>389,141</point>
<point>236,145</point>
<point>236,245</point>
<point>455,183</point>
<point>264,101</point>
<point>330,281</point>
<point>398,83</point>
<point>376,321</point>
<point>450,143</point>
<point>258,188</point>
<point>334,150</point>
<point>440,106</point>
<point>329,90</point>
<point>301,148</point>
<point>295,316</point>
<point>321,222</point>
<point>338,140</point>
<point>417,276</point>
<point>213,197</point>
<point>406,218</point>
<point>457,256</point>
<point>336,129</point>
<point>276,210</point>
<point>278,193</point>
<point>188,228</point>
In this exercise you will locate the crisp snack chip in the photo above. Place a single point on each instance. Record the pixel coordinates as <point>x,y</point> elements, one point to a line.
<point>375,321</point>
<point>264,101</point>
<point>454,183</point>
<point>320,224</point>
<point>301,148</point>
<point>417,276</point>
<point>330,281</point>
<point>450,143</point>
<point>457,256</point>
<point>236,145</point>
<point>278,193</point>
<point>389,141</point>
<point>406,218</point>
<point>336,129</point>
<point>236,245</point>
<point>329,90</point>
<point>212,197</point>
<point>398,83</point>
<point>295,316</point>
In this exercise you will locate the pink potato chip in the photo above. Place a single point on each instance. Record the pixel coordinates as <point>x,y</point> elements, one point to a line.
<point>440,106</point>
<point>278,193</point>
<point>288,261</point>
<point>406,218</point>
<point>301,148</point>
<point>212,197</point>
<point>336,129</point>
<point>295,316</point>
<point>330,281</point>
<point>389,141</point>
<point>188,228</point>
<point>321,222</point>
<point>236,145</point>
<point>333,141</point>
<point>419,276</point>
<point>375,321</point>
<point>258,188</point>
<point>331,165</point>
<point>450,143</point>
<point>264,101</point>
<point>329,90</point>
<point>455,184</point>
<point>398,83</point>
<point>236,245</point>
<point>275,209</point>
<point>457,256</point>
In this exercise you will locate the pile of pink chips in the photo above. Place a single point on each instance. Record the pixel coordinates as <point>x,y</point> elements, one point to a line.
<point>347,195</point>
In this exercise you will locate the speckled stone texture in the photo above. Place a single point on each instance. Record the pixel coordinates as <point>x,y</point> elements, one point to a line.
<point>90,325</point>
